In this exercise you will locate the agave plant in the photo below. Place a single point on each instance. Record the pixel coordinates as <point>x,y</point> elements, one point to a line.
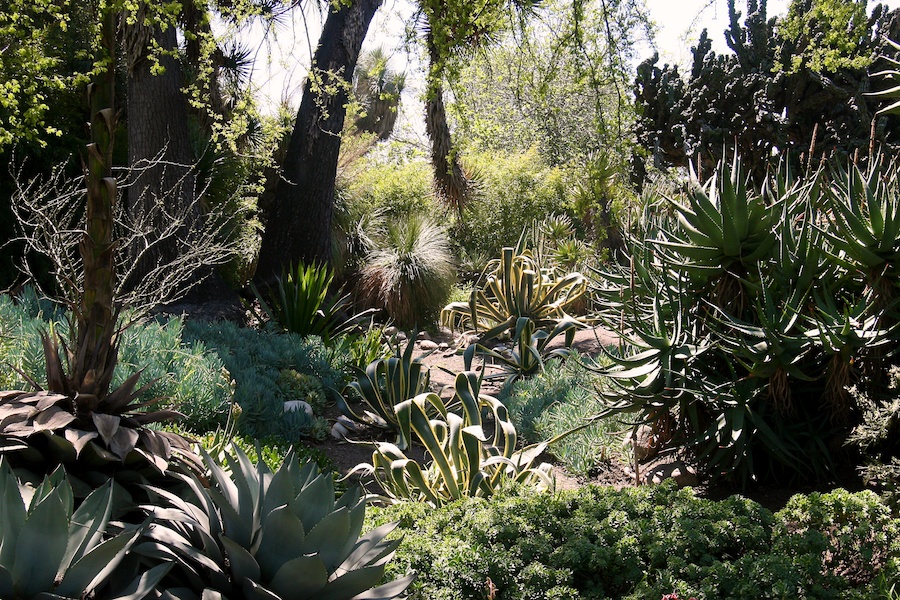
<point>47,550</point>
<point>258,535</point>
<point>531,349</point>
<point>385,383</point>
<point>516,287</point>
<point>462,460</point>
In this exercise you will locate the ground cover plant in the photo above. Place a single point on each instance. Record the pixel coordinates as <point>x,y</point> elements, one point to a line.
<point>562,397</point>
<point>269,369</point>
<point>644,543</point>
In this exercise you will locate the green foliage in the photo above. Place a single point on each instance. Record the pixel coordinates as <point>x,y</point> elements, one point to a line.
<point>409,271</point>
<point>300,303</point>
<point>636,544</point>
<point>531,349</point>
<point>393,187</point>
<point>255,360</point>
<point>770,95</point>
<point>260,534</point>
<point>190,379</point>
<point>826,36</point>
<point>514,191</point>
<point>747,314</point>
<point>385,384</point>
<point>49,550</point>
<point>559,399</point>
<point>461,460</point>
<point>877,437</point>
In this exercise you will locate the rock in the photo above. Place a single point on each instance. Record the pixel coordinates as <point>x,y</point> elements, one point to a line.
<point>428,345</point>
<point>642,441</point>
<point>680,473</point>
<point>443,346</point>
<point>400,336</point>
<point>338,431</point>
<point>298,405</point>
<point>423,335</point>
<point>389,331</point>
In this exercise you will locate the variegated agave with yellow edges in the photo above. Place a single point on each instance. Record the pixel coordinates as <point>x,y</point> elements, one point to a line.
<point>516,286</point>
<point>462,460</point>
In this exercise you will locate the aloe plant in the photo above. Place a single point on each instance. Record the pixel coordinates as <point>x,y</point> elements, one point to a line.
<point>258,535</point>
<point>516,286</point>
<point>49,550</point>
<point>385,383</point>
<point>461,460</point>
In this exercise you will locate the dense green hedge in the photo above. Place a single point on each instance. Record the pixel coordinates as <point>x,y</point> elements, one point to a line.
<point>643,543</point>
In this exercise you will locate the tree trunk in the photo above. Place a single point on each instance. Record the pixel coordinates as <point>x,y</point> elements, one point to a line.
<point>298,227</point>
<point>159,147</point>
<point>450,182</point>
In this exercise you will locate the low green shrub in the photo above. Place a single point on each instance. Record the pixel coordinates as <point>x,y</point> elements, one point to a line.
<point>878,438</point>
<point>260,363</point>
<point>556,400</point>
<point>642,543</point>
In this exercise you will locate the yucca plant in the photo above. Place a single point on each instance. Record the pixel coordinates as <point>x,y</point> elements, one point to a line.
<point>409,273</point>
<point>384,384</point>
<point>258,535</point>
<point>48,550</point>
<point>531,349</point>
<point>461,460</point>
<point>515,287</point>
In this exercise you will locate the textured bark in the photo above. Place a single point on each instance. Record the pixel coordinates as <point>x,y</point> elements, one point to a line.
<point>451,184</point>
<point>298,226</point>
<point>159,147</point>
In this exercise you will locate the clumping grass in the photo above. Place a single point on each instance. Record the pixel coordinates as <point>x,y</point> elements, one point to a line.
<point>557,400</point>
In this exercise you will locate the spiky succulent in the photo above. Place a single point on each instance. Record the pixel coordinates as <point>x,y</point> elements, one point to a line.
<point>92,432</point>
<point>48,550</point>
<point>461,460</point>
<point>516,286</point>
<point>254,534</point>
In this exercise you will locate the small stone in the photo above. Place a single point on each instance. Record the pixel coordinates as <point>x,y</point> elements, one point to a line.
<point>338,431</point>
<point>298,405</point>
<point>443,346</point>
<point>347,423</point>
<point>401,336</point>
<point>389,331</point>
<point>428,345</point>
<point>423,335</point>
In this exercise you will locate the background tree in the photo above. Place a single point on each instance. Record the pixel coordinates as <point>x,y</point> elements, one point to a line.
<point>298,226</point>
<point>789,87</point>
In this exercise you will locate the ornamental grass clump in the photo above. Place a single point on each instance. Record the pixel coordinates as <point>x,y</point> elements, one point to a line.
<point>409,273</point>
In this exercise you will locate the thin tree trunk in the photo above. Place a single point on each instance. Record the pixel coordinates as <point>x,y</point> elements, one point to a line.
<point>451,184</point>
<point>298,226</point>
